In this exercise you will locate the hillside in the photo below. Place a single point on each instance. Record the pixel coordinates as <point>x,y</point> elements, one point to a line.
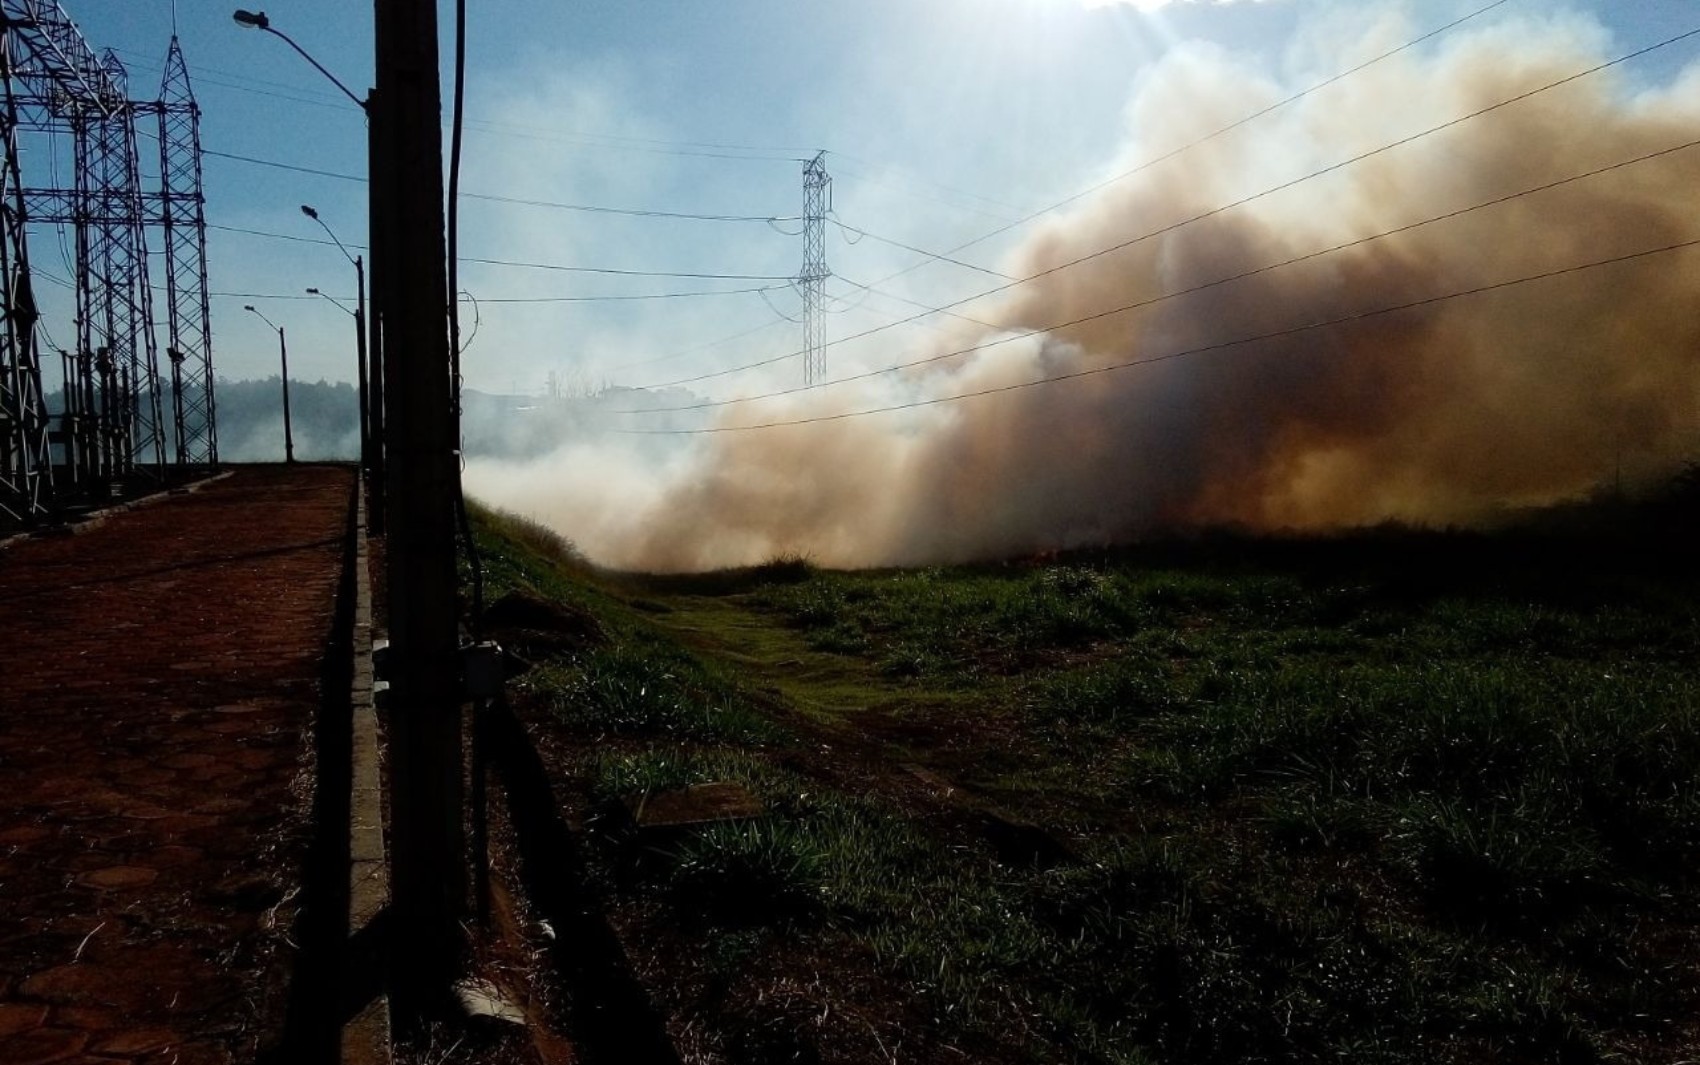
<point>1396,797</point>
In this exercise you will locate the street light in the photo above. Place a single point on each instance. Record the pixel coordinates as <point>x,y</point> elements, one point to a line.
<point>283,357</point>
<point>359,316</point>
<point>341,306</point>
<point>258,20</point>
<point>366,442</point>
<point>372,413</point>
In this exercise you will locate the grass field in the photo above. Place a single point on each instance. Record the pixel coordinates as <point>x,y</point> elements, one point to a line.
<point>1398,797</point>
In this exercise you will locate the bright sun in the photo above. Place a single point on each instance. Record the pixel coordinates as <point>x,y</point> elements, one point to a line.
<point>1138,5</point>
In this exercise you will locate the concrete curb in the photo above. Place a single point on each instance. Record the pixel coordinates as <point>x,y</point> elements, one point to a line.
<point>366,1036</point>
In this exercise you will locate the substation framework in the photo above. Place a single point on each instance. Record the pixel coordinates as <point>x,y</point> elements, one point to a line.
<point>118,418</point>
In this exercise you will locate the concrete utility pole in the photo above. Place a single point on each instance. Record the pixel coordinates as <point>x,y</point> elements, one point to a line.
<point>377,196</point>
<point>359,314</point>
<point>283,359</point>
<point>427,809</point>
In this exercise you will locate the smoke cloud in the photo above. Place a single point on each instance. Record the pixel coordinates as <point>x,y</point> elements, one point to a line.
<point>1440,413</point>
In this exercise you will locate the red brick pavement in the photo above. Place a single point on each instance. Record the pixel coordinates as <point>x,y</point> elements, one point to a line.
<point>159,680</point>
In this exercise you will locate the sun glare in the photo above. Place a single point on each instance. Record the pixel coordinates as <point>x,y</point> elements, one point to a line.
<point>1137,5</point>
<point>1152,6</point>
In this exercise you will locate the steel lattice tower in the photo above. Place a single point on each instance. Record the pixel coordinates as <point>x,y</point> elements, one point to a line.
<point>26,468</point>
<point>817,201</point>
<point>183,214</point>
<point>112,423</point>
<point>123,322</point>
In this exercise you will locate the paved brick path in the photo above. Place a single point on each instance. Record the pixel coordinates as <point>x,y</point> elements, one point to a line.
<point>159,677</point>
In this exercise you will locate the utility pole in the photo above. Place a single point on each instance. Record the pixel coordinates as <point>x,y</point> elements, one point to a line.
<point>283,358</point>
<point>359,314</point>
<point>427,809</point>
<point>288,432</point>
<point>817,201</point>
<point>377,196</point>
<point>363,384</point>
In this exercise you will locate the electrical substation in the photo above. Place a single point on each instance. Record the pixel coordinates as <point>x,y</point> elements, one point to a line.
<point>94,402</point>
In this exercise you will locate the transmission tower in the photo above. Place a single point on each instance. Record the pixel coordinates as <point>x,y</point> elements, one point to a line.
<point>817,201</point>
<point>123,322</point>
<point>183,215</point>
<point>112,424</point>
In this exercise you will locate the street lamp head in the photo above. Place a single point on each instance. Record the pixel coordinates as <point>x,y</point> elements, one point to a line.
<point>309,212</point>
<point>256,19</point>
<point>249,307</point>
<point>313,292</point>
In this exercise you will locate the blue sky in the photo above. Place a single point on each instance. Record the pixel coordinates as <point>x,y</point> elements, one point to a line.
<point>943,120</point>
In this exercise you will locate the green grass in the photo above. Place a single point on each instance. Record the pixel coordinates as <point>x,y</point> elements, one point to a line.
<point>636,687</point>
<point>1387,800</point>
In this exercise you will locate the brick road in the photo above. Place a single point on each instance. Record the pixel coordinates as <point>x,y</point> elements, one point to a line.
<point>159,681</point>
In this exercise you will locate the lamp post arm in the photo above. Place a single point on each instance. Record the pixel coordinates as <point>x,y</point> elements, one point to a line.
<point>358,102</point>
<point>339,304</point>
<point>332,234</point>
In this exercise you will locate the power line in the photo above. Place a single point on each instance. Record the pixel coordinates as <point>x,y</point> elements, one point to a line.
<point>946,310</point>
<point>523,299</point>
<point>283,166</point>
<point>145,61</point>
<point>557,267</point>
<point>292,93</point>
<point>259,295</point>
<point>1213,212</point>
<point>282,236</point>
<point>1001,216</point>
<point>631,211</point>
<point>913,303</point>
<point>638,296</point>
<point>627,273</point>
<point>1173,355</point>
<point>1193,290</point>
<point>951,189</point>
<point>918,251</point>
<point>610,141</point>
<point>1229,128</point>
<point>783,152</point>
<point>696,349</point>
<point>634,212</point>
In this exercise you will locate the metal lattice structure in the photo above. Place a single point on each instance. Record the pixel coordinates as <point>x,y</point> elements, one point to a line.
<point>184,218</point>
<point>817,201</point>
<point>113,424</point>
<point>123,323</point>
<point>26,470</point>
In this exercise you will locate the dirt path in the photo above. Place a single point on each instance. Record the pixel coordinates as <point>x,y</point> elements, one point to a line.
<point>869,733</point>
<point>162,671</point>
